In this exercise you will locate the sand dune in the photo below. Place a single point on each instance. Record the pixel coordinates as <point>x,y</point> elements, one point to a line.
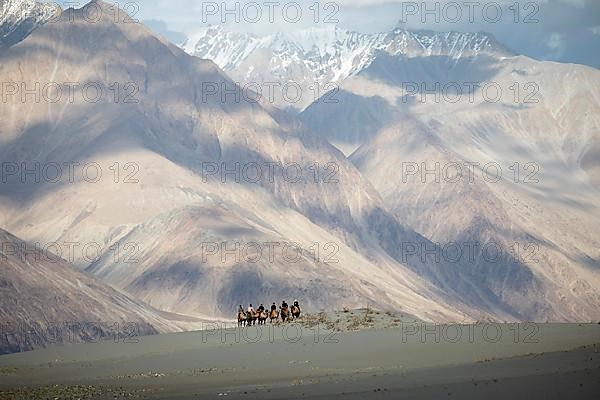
<point>412,359</point>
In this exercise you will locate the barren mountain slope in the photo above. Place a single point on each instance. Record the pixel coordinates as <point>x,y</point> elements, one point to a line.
<point>47,301</point>
<point>528,175</point>
<point>535,255</point>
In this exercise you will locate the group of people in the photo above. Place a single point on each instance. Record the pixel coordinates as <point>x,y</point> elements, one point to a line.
<point>250,316</point>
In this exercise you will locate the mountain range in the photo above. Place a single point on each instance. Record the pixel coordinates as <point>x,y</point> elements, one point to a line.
<point>317,59</point>
<point>406,103</point>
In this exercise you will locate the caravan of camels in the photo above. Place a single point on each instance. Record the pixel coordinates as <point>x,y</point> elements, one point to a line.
<point>250,316</point>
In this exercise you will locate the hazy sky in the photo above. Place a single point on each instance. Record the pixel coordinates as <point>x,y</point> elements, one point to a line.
<point>560,30</point>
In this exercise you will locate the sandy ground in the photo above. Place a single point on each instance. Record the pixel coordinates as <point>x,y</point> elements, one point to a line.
<point>359,357</point>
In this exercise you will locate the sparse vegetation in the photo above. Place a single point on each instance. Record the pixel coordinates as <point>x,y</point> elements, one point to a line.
<point>351,320</point>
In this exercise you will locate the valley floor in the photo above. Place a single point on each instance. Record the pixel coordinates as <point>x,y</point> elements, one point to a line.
<point>313,360</point>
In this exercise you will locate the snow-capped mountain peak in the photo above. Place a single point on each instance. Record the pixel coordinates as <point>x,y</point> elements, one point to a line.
<point>18,18</point>
<point>452,44</point>
<point>319,56</point>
